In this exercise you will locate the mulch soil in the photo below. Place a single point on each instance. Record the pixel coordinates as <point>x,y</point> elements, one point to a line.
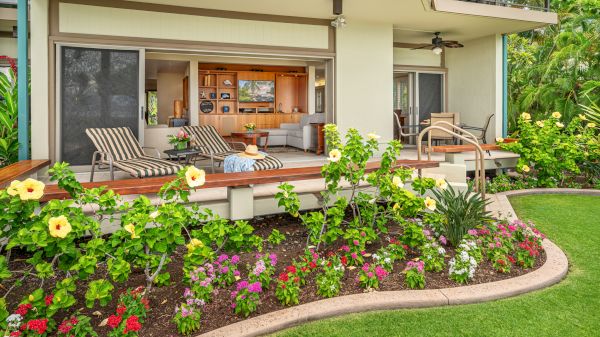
<point>218,313</point>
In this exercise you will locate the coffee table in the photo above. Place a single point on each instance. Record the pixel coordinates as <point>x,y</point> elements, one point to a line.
<point>250,138</point>
<point>179,155</point>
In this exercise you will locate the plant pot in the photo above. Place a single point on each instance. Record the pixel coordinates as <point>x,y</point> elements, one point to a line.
<point>181,146</point>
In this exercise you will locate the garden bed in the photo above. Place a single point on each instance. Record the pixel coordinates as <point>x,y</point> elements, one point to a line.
<point>218,313</point>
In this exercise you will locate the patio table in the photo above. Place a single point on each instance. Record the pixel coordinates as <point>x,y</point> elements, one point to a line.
<point>179,155</point>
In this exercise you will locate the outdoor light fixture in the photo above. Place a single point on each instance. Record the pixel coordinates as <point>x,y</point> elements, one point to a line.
<point>437,50</point>
<point>340,20</point>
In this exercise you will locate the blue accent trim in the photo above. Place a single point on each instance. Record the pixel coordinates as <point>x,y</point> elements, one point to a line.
<point>504,86</point>
<point>23,78</point>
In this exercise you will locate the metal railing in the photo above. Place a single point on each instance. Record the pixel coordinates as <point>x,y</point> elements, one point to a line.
<point>536,5</point>
<point>465,136</point>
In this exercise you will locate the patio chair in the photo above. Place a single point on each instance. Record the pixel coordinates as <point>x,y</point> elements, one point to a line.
<point>212,146</point>
<point>118,147</point>
<point>438,135</point>
<point>401,129</point>
<point>481,137</point>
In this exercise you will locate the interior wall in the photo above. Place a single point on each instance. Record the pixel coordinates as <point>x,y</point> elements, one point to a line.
<point>8,46</point>
<point>475,82</point>
<point>419,57</point>
<point>364,75</point>
<point>169,87</point>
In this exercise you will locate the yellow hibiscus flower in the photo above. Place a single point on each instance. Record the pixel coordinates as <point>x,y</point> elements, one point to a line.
<point>130,228</point>
<point>373,136</point>
<point>582,117</point>
<point>540,124</point>
<point>31,189</point>
<point>194,243</point>
<point>195,177</point>
<point>560,125</point>
<point>591,125</point>
<point>556,114</point>
<point>441,184</point>
<point>59,226</point>
<point>397,181</point>
<point>334,155</point>
<point>525,168</point>
<point>13,189</point>
<point>430,203</point>
<point>499,140</point>
<point>526,116</point>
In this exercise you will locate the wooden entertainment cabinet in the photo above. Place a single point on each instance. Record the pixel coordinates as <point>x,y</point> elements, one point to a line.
<point>229,114</point>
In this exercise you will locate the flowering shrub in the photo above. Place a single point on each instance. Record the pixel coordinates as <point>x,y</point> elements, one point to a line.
<point>462,265</point>
<point>188,314</point>
<point>263,269</point>
<point>414,275</point>
<point>276,237</point>
<point>76,326</point>
<point>329,280</point>
<point>413,235</point>
<point>288,286</point>
<point>552,152</point>
<point>202,279</point>
<point>131,310</point>
<point>305,264</point>
<point>226,270</point>
<point>370,275</point>
<point>246,297</point>
<point>433,255</point>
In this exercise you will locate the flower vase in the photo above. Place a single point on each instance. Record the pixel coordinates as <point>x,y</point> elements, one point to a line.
<point>249,130</point>
<point>181,146</point>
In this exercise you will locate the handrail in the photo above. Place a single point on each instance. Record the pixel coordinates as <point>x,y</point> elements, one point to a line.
<point>461,131</point>
<point>478,159</point>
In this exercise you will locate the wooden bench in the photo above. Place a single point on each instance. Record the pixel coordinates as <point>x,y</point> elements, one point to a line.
<point>230,180</point>
<point>20,170</point>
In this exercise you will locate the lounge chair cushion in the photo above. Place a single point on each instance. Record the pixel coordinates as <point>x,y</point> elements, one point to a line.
<point>119,142</point>
<point>145,166</point>
<point>208,137</point>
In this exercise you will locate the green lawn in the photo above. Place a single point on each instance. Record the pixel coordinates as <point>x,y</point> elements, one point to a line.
<point>571,308</point>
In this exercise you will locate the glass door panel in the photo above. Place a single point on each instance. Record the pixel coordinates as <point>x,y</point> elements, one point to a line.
<point>431,99</point>
<point>98,88</point>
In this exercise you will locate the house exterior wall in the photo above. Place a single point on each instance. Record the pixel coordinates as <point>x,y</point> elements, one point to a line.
<point>423,57</point>
<point>475,82</point>
<point>364,76</point>
<point>8,46</point>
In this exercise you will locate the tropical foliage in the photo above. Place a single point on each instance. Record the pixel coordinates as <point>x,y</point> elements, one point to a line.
<point>556,68</point>
<point>9,145</point>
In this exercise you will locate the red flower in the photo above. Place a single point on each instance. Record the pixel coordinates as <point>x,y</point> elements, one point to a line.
<point>23,309</point>
<point>11,62</point>
<point>48,299</point>
<point>132,324</point>
<point>114,321</point>
<point>312,265</point>
<point>304,269</point>
<point>296,279</point>
<point>291,269</point>
<point>344,260</point>
<point>38,325</point>
<point>15,334</point>
<point>65,327</point>
<point>121,309</point>
<point>145,303</point>
<point>283,277</point>
<point>74,320</point>
<point>511,259</point>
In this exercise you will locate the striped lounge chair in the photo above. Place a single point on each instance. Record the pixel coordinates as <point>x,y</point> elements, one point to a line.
<point>214,147</point>
<point>118,147</point>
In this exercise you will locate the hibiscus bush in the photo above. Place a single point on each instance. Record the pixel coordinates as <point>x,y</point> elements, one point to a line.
<point>553,153</point>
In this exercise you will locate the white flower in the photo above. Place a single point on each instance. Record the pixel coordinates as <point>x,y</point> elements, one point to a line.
<point>397,181</point>
<point>154,214</point>
<point>373,136</point>
<point>441,184</point>
<point>387,260</point>
<point>441,251</point>
<point>14,321</point>
<point>334,155</point>
<point>430,204</point>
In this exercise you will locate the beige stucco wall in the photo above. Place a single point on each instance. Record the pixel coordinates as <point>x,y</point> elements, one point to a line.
<point>8,46</point>
<point>475,82</point>
<point>364,75</point>
<point>169,87</point>
<point>98,20</point>
<point>40,149</point>
<point>420,57</point>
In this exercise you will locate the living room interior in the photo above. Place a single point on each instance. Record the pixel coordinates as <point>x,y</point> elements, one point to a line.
<point>285,100</point>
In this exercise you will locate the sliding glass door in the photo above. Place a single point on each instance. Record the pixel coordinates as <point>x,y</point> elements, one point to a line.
<point>98,88</point>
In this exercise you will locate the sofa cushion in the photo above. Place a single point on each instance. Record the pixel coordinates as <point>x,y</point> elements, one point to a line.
<point>276,132</point>
<point>295,133</point>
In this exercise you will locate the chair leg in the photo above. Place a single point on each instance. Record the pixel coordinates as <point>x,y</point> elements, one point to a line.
<point>93,167</point>
<point>112,171</point>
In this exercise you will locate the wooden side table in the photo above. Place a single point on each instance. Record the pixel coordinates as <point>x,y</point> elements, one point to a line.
<point>320,137</point>
<point>251,137</point>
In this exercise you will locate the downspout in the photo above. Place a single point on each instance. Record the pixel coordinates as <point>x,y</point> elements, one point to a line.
<point>23,78</point>
<point>504,86</point>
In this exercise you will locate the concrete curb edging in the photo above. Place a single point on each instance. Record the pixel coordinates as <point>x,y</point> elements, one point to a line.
<point>554,269</point>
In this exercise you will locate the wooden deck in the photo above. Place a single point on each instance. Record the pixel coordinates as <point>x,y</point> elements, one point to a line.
<point>20,169</point>
<point>153,185</point>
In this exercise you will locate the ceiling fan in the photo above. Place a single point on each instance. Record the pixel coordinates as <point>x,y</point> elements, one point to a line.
<point>437,43</point>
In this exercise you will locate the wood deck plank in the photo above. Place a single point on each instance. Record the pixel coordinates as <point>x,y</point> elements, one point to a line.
<point>153,185</point>
<point>20,169</point>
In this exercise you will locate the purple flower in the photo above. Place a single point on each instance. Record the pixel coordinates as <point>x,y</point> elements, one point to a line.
<point>443,240</point>
<point>187,292</point>
<point>354,255</point>
<point>472,232</point>
<point>255,287</point>
<point>426,232</point>
<point>222,258</point>
<point>236,273</point>
<point>234,294</point>
<point>273,258</point>
<point>235,259</point>
<point>233,305</point>
<point>355,242</point>
<point>242,285</point>
<point>370,274</point>
<point>224,270</point>
<point>380,272</point>
<point>345,248</point>
<point>365,267</point>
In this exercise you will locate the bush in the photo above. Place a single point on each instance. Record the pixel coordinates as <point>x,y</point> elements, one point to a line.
<point>462,211</point>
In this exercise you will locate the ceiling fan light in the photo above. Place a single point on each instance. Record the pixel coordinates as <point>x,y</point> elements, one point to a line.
<point>437,50</point>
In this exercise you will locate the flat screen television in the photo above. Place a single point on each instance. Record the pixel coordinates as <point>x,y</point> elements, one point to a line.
<point>250,91</point>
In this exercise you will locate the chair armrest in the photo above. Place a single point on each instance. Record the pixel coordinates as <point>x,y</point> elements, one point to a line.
<point>289,126</point>
<point>241,145</point>
<point>152,148</point>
